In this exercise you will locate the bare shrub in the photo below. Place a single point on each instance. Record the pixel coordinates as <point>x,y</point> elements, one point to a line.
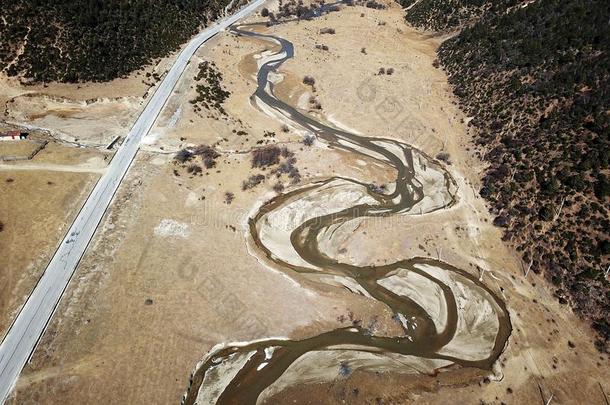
<point>267,156</point>
<point>194,169</point>
<point>444,157</point>
<point>209,163</point>
<point>252,182</point>
<point>183,155</point>
<point>379,189</point>
<point>309,140</point>
<point>389,71</point>
<point>229,197</point>
<point>327,31</point>
<point>278,187</point>
<point>373,4</point>
<point>286,153</point>
<point>295,175</point>
<point>287,166</point>
<point>344,369</point>
<point>208,154</point>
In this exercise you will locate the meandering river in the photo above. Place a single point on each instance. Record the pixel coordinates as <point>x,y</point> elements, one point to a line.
<point>446,315</point>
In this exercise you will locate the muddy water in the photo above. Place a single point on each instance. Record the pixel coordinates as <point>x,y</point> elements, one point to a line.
<point>257,365</point>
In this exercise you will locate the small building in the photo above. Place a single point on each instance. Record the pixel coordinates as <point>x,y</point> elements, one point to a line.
<point>13,135</point>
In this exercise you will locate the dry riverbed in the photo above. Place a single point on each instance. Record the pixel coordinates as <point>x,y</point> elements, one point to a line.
<point>170,274</point>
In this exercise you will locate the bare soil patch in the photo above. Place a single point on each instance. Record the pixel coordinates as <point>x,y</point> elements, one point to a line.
<point>36,208</point>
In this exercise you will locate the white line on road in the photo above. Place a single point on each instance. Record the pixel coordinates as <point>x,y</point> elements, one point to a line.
<point>23,335</point>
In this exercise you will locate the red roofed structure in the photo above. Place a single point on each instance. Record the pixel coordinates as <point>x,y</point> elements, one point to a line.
<point>13,135</point>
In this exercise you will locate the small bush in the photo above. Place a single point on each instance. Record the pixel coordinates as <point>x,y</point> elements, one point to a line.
<point>315,104</point>
<point>310,81</point>
<point>309,140</point>
<point>229,197</point>
<point>327,31</point>
<point>501,221</point>
<point>344,369</point>
<point>265,12</point>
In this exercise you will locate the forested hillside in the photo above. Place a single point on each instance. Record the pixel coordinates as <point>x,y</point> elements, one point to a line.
<point>534,75</point>
<point>441,15</point>
<point>94,40</point>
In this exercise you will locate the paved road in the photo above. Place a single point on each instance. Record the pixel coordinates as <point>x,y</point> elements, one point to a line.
<point>28,327</point>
